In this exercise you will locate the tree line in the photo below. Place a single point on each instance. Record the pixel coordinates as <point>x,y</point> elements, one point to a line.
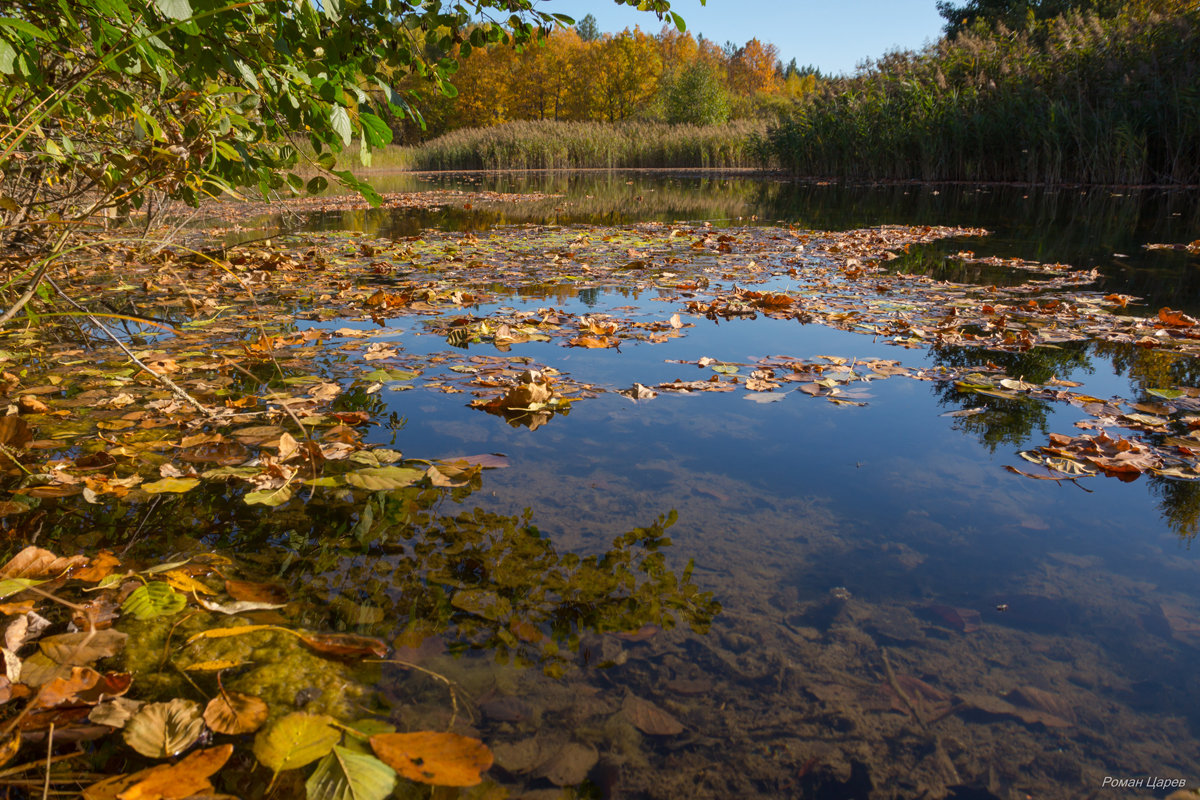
<point>577,74</point>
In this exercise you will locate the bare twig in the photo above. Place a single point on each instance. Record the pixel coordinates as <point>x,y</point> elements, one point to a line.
<point>163,379</point>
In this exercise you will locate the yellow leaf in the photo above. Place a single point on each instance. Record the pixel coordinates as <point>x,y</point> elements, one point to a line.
<point>181,581</point>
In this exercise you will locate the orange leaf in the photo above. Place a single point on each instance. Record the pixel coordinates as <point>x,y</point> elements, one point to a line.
<point>188,777</point>
<point>441,759</point>
<point>100,568</point>
<point>235,713</point>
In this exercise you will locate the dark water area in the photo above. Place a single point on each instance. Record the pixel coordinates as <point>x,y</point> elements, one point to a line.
<point>899,615</point>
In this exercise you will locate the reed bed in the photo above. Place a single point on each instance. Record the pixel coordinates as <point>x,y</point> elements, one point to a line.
<point>1074,100</point>
<point>586,145</point>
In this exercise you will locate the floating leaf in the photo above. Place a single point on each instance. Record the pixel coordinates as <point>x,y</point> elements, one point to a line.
<point>35,562</point>
<point>441,759</point>
<point>15,432</point>
<point>14,585</point>
<point>1166,394</point>
<point>239,607</point>
<point>269,497</point>
<point>171,485</point>
<point>164,730</point>
<point>156,599</point>
<point>115,713</point>
<point>346,775</point>
<point>187,778</point>
<point>381,479</point>
<point>84,647</point>
<point>235,713</point>
<point>256,592</point>
<point>295,740</point>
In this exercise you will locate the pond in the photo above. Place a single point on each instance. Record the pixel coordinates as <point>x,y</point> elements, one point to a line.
<point>868,603</point>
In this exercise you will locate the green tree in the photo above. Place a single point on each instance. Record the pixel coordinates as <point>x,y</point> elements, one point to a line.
<point>106,104</point>
<point>587,29</point>
<point>1015,14</point>
<point>695,96</point>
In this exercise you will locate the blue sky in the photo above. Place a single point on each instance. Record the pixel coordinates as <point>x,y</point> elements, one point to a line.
<point>834,35</point>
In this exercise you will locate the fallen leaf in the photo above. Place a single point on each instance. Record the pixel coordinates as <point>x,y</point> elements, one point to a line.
<point>295,740</point>
<point>649,718</point>
<point>164,730</point>
<point>441,759</point>
<point>235,713</point>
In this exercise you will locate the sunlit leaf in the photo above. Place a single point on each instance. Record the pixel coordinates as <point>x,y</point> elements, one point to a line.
<point>83,647</point>
<point>441,759</point>
<point>268,497</point>
<point>152,600</point>
<point>170,485</point>
<point>295,740</point>
<point>164,730</point>
<point>221,633</point>
<point>381,479</point>
<point>348,775</point>
<point>36,562</point>
<point>235,713</point>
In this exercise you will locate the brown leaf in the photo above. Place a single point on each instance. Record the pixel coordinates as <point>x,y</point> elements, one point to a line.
<point>344,645</point>
<point>649,718</point>
<point>235,713</point>
<point>256,592</point>
<point>441,759</point>
<point>77,649</point>
<point>31,405</point>
<point>15,432</point>
<point>223,454</point>
<point>111,685</point>
<point>570,765</point>
<point>34,562</point>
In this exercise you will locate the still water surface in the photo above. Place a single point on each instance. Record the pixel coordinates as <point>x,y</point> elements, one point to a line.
<point>901,617</point>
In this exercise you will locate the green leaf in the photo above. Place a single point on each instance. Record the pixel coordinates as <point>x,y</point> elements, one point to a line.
<point>24,27</point>
<point>380,479</point>
<point>346,775</point>
<point>317,185</point>
<point>376,131</point>
<point>295,740</point>
<point>164,730</point>
<point>679,23</point>
<point>170,485</point>
<point>8,58</point>
<point>174,9</point>
<point>333,9</point>
<point>268,497</point>
<point>385,375</point>
<point>340,121</point>
<point>1166,394</point>
<point>13,585</point>
<point>156,599</point>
